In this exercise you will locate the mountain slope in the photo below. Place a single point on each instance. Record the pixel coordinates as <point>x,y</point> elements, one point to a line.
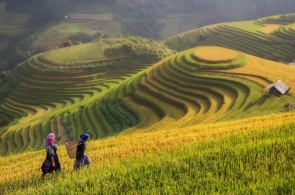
<point>60,90</point>
<point>73,90</point>
<point>270,37</point>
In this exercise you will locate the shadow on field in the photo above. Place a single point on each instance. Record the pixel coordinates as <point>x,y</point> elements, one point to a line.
<point>258,102</point>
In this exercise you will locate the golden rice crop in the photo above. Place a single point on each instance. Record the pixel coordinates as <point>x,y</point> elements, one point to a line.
<point>257,69</point>
<point>269,28</point>
<point>23,171</point>
<point>215,54</point>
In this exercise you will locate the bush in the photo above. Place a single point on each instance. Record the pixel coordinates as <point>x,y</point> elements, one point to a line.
<point>7,84</point>
<point>84,38</point>
<point>66,43</point>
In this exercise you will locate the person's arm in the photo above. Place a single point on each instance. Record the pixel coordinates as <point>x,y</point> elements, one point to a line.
<point>52,161</point>
<point>84,150</point>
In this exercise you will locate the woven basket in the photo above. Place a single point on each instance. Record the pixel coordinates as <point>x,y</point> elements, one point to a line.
<point>71,147</point>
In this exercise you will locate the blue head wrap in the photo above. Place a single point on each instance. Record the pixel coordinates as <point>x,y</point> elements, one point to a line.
<point>84,137</point>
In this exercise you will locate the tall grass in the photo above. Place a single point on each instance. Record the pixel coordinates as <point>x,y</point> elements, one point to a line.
<point>250,156</point>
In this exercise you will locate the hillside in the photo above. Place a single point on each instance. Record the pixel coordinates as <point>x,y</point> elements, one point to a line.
<point>196,121</point>
<point>249,156</point>
<point>74,24</point>
<point>66,87</point>
<point>111,85</point>
<point>269,37</point>
<point>11,25</point>
<point>43,25</point>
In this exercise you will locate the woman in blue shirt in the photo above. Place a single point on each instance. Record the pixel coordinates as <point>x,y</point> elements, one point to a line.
<point>81,157</point>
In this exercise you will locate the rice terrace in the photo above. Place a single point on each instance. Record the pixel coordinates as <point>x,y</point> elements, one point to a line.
<point>189,115</point>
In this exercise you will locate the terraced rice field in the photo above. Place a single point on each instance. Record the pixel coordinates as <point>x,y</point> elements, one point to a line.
<point>269,38</point>
<point>74,23</point>
<point>61,91</point>
<point>54,37</point>
<point>196,86</point>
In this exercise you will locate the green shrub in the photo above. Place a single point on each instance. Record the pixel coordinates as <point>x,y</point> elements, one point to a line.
<point>7,84</point>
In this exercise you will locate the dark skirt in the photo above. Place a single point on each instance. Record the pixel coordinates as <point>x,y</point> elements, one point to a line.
<point>82,162</point>
<point>48,168</point>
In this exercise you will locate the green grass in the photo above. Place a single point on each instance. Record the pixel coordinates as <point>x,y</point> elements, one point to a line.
<point>247,26</point>
<point>80,54</point>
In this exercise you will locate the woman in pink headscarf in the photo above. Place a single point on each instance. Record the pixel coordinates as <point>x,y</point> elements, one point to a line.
<point>51,162</point>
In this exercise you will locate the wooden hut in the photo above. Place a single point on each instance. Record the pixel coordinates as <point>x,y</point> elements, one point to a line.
<point>277,89</point>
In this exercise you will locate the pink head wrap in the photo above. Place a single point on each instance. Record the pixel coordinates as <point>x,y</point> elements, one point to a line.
<point>50,138</point>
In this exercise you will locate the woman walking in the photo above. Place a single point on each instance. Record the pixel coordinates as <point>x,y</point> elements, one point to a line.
<point>81,157</point>
<point>51,163</point>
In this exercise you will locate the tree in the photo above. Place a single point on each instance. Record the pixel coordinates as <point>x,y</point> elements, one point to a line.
<point>66,43</point>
